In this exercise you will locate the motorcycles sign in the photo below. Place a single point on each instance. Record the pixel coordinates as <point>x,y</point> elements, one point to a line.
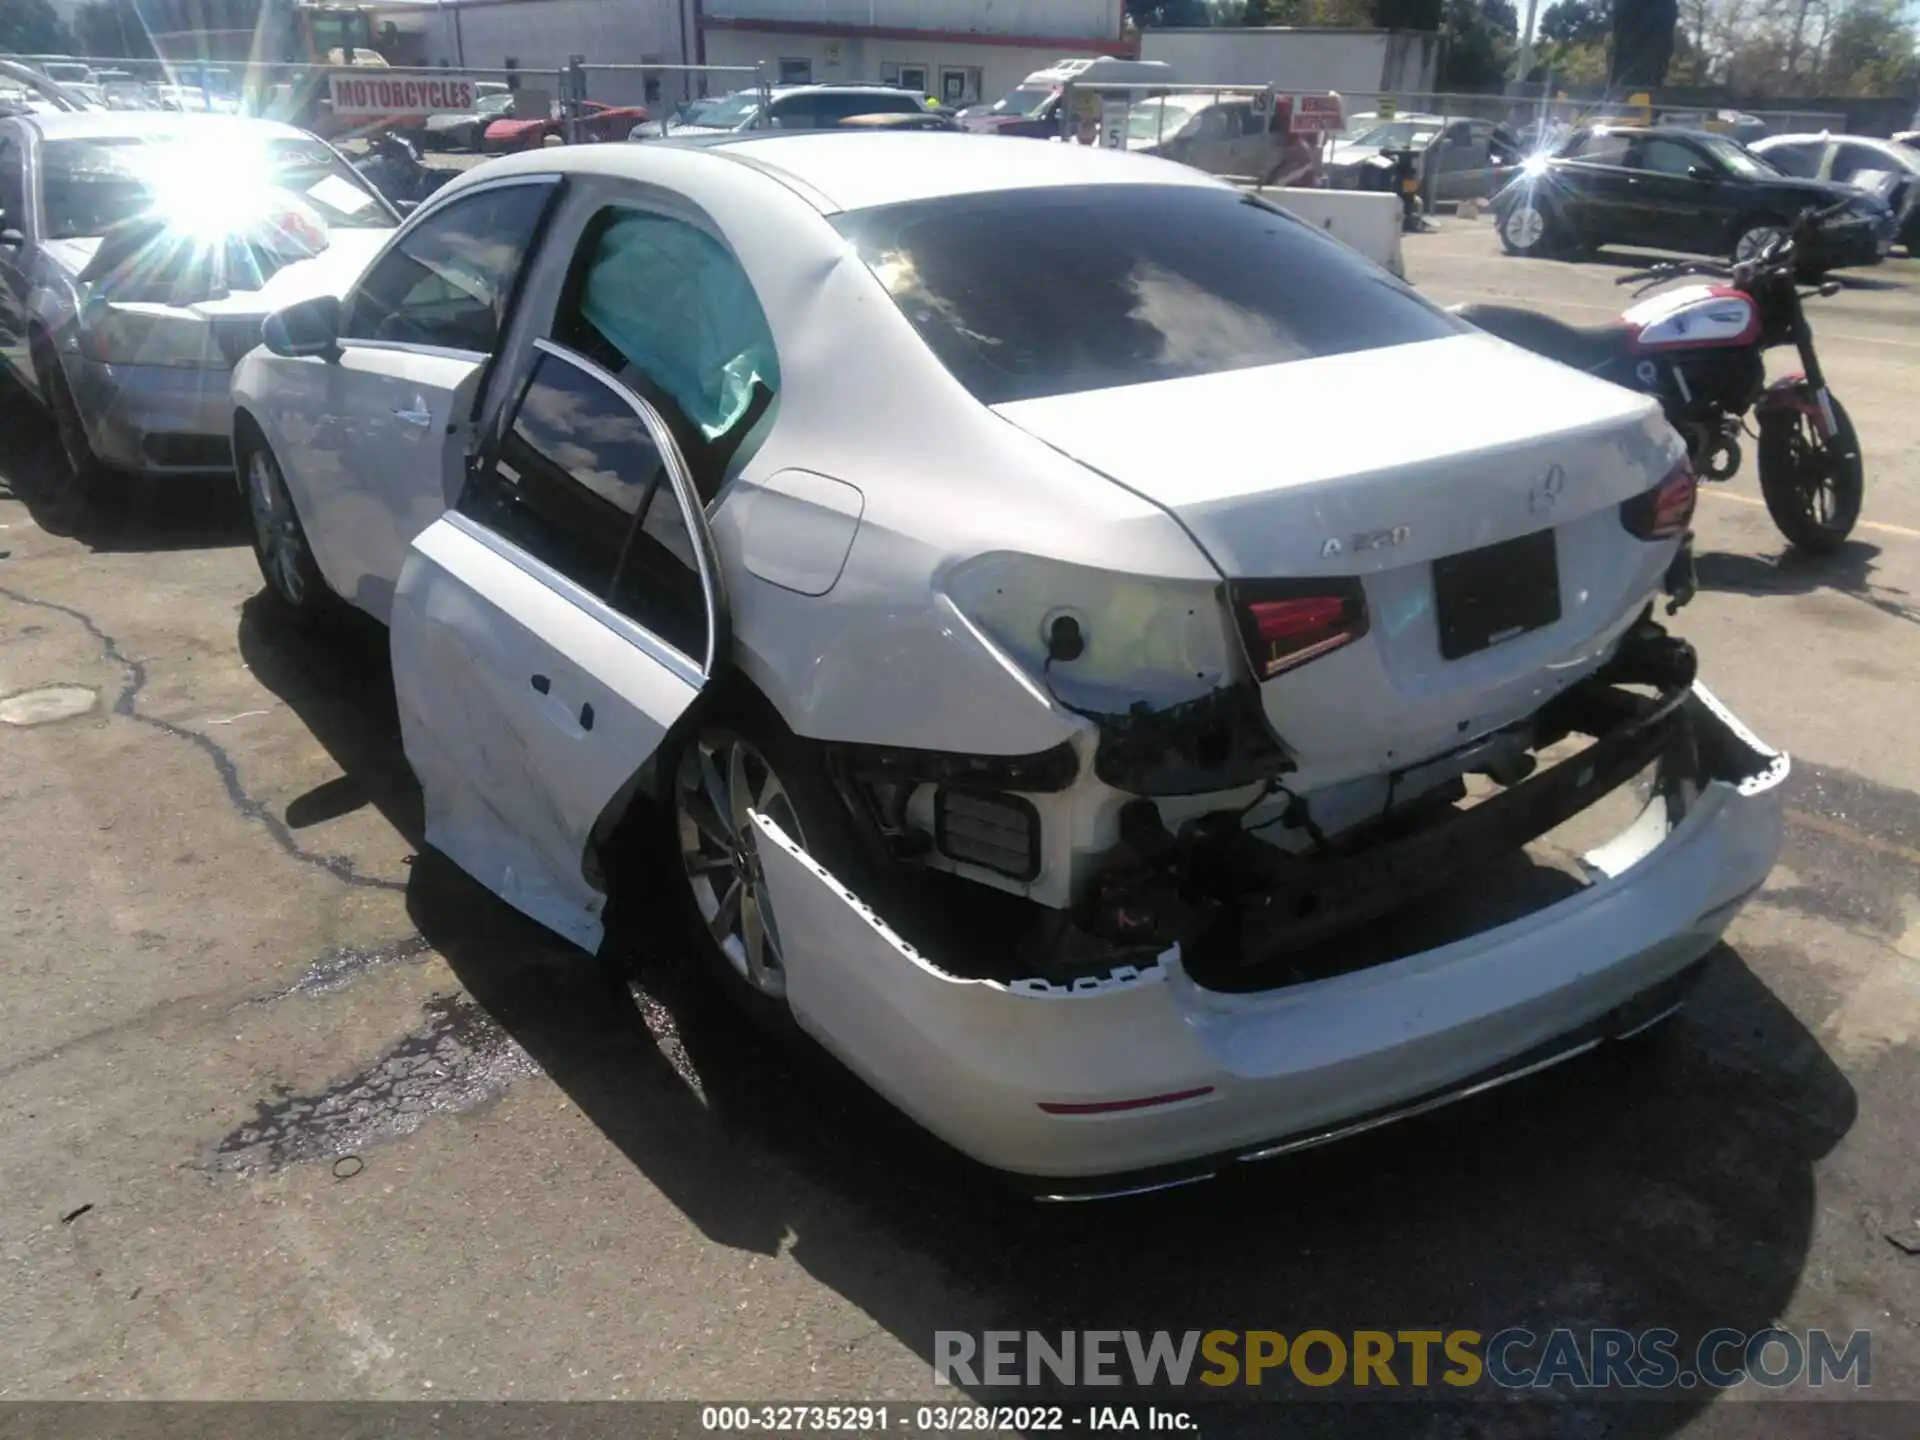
<point>362,94</point>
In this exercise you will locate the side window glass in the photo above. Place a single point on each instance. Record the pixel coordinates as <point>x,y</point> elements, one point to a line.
<point>1801,162</point>
<point>449,278</point>
<point>1849,161</point>
<point>1666,157</point>
<point>666,308</point>
<point>581,483</point>
<point>1597,149</point>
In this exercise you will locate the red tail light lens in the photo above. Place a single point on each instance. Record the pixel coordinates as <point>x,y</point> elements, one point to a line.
<point>1286,623</point>
<point>1666,510</point>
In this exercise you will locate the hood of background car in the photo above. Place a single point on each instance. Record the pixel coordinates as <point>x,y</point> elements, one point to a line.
<point>331,272</point>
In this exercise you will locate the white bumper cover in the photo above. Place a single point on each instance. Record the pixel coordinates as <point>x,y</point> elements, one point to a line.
<point>974,1061</point>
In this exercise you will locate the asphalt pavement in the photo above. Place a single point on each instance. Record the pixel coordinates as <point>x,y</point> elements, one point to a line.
<point>290,1109</point>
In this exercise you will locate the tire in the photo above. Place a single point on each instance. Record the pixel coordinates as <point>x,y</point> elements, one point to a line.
<point>1813,492</point>
<point>742,756</point>
<point>293,579</point>
<point>88,476</point>
<point>1526,230</point>
<point>1753,233</point>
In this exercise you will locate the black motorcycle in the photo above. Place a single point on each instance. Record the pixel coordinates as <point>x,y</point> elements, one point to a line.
<point>393,167</point>
<point>1700,349</point>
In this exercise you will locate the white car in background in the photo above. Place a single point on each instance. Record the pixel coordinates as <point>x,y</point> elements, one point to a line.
<point>146,248</point>
<point>1110,578</point>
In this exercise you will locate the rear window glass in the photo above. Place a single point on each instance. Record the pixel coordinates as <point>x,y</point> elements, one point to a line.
<point>1027,293</point>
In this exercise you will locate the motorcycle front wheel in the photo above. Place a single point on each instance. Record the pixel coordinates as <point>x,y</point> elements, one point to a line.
<point>1813,486</point>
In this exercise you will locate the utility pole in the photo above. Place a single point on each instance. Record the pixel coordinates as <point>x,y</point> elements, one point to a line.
<point>1526,42</point>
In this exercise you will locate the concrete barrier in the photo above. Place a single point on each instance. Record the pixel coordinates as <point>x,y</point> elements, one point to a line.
<point>1365,219</point>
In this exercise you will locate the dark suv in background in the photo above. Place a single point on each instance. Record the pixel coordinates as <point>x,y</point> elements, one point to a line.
<point>1693,191</point>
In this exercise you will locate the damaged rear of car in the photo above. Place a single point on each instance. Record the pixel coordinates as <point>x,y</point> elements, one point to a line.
<point>1430,640</point>
<point>1091,652</point>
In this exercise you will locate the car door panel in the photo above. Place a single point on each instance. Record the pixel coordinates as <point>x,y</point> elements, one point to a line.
<point>381,469</point>
<point>549,632</point>
<point>525,707</point>
<point>374,441</point>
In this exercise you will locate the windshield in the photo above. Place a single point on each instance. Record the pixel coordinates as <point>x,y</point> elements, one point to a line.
<point>731,111</point>
<point>1737,158</point>
<point>1023,100</point>
<point>1028,293</point>
<point>493,104</point>
<point>89,186</point>
<point>1157,119</point>
<point>1400,134</point>
<point>69,74</point>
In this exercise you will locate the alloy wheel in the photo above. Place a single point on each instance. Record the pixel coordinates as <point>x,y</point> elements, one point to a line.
<point>721,777</point>
<point>1756,240</point>
<point>1525,227</point>
<point>275,526</point>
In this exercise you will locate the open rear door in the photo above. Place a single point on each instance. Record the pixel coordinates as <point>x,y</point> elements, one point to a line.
<point>549,633</point>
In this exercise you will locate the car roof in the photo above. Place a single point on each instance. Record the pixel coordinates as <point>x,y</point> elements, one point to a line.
<point>157,124</point>
<point>839,170</point>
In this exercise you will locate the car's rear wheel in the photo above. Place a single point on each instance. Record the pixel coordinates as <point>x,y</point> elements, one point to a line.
<point>279,540</point>
<point>1526,229</point>
<point>742,759</point>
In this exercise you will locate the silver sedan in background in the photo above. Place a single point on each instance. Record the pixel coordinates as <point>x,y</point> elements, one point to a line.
<point>139,252</point>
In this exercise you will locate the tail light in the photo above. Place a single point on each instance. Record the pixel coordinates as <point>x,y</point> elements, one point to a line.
<point>1665,511</point>
<point>1286,623</point>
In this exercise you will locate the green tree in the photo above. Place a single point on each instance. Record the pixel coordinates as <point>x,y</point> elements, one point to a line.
<point>1479,37</point>
<point>1642,42</point>
<point>1870,51</point>
<point>29,27</point>
<point>1575,22</point>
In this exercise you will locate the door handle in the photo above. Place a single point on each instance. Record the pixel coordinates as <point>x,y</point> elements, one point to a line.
<point>542,684</point>
<point>420,418</point>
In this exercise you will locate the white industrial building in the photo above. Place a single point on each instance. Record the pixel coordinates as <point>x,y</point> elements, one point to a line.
<point>959,51</point>
<point>543,34</point>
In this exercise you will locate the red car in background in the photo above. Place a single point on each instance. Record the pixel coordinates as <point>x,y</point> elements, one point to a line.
<point>594,124</point>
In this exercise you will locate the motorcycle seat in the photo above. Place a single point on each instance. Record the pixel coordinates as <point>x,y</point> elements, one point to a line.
<point>1585,347</point>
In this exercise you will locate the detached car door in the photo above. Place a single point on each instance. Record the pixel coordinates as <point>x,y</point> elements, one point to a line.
<point>365,438</point>
<point>549,632</point>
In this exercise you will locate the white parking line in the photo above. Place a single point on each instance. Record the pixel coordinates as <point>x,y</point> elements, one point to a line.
<point>1882,527</point>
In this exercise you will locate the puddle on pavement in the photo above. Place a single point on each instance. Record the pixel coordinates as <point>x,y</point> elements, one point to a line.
<point>337,969</point>
<point>457,1061</point>
<point>47,704</point>
<point>1853,847</point>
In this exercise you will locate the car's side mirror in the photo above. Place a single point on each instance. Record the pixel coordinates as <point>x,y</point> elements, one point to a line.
<point>309,328</point>
<point>11,239</point>
<point>1702,173</point>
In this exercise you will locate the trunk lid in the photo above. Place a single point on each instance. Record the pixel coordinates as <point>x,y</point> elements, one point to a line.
<point>1377,464</point>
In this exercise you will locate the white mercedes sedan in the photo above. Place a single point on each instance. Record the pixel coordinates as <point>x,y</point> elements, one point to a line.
<point>1124,589</point>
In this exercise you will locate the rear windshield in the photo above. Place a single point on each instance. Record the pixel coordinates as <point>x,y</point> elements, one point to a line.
<point>1026,293</point>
